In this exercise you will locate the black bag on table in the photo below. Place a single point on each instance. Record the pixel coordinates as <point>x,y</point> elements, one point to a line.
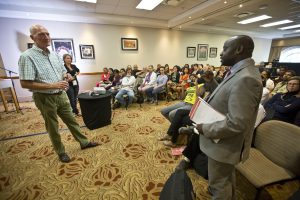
<point>178,187</point>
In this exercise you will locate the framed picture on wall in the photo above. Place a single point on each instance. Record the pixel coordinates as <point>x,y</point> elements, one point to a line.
<point>213,52</point>
<point>191,52</point>
<point>202,52</point>
<point>63,46</point>
<point>87,51</point>
<point>129,44</point>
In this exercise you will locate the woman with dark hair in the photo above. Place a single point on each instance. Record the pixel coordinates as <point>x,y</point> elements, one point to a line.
<point>284,107</point>
<point>172,83</point>
<point>73,90</point>
<point>111,74</point>
<point>183,82</point>
<point>167,70</point>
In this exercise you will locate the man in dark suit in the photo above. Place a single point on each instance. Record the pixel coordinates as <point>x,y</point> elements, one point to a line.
<point>237,97</point>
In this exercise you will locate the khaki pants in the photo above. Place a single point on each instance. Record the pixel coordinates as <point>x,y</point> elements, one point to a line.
<point>51,106</point>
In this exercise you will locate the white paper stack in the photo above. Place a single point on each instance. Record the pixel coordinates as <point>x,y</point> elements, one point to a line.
<point>203,113</point>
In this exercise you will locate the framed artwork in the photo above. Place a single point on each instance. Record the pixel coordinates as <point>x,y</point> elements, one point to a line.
<point>202,52</point>
<point>87,51</point>
<point>63,46</point>
<point>29,45</point>
<point>213,52</point>
<point>129,44</point>
<point>190,52</point>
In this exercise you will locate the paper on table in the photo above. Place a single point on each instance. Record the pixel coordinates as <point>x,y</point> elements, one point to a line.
<point>203,113</point>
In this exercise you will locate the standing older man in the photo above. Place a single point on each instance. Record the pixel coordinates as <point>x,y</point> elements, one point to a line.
<point>43,72</point>
<point>237,97</point>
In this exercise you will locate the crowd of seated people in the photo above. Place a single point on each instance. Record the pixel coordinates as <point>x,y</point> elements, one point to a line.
<point>178,82</point>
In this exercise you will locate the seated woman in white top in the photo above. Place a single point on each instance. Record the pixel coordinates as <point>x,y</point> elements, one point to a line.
<point>149,81</point>
<point>268,85</point>
<point>159,86</point>
<point>127,83</point>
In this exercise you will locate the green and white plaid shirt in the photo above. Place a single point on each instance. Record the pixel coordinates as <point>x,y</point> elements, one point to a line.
<point>40,66</point>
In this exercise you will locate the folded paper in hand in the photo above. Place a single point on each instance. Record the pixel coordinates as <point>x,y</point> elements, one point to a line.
<point>203,113</point>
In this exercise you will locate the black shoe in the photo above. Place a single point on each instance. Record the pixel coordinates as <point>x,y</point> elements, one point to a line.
<point>116,105</point>
<point>90,145</point>
<point>64,158</point>
<point>183,165</point>
<point>186,130</point>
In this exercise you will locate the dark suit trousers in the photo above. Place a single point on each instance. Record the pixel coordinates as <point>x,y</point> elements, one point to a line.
<point>180,119</point>
<point>192,148</point>
<point>72,93</point>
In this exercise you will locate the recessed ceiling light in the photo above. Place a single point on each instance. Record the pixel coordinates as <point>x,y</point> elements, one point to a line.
<point>254,19</point>
<point>148,4</point>
<point>225,2</point>
<point>276,23</point>
<point>190,17</point>
<point>290,27</point>
<point>203,19</point>
<point>88,1</point>
<point>241,5</point>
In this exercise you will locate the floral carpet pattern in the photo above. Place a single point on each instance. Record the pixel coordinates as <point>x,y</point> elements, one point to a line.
<point>129,164</point>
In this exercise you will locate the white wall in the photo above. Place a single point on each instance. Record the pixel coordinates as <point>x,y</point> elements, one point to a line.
<point>155,45</point>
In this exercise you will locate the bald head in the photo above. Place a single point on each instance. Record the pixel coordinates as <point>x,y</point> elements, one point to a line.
<point>40,36</point>
<point>236,49</point>
<point>35,28</point>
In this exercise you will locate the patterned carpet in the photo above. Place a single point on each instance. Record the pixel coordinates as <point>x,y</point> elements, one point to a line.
<point>129,164</point>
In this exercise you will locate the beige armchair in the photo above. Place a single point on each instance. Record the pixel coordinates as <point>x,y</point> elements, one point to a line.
<point>275,156</point>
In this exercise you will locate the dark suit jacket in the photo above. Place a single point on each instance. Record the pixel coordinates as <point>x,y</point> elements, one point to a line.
<point>237,97</point>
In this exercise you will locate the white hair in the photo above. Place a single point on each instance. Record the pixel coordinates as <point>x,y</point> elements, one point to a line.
<point>33,29</point>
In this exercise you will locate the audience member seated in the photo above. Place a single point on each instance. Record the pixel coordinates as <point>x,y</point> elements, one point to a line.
<point>149,81</point>
<point>173,82</point>
<point>167,71</point>
<point>181,116</point>
<point>135,70</point>
<point>160,85</point>
<point>220,74</point>
<point>114,86</point>
<point>139,79</point>
<point>122,72</point>
<point>200,69</point>
<point>126,89</point>
<point>158,66</point>
<point>268,85</point>
<point>111,74</point>
<point>284,107</point>
<point>195,69</point>
<point>281,86</point>
<point>104,77</point>
<point>281,71</point>
<point>169,111</point>
<point>183,82</point>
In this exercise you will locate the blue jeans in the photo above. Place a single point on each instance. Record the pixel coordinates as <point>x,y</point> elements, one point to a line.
<point>153,91</point>
<point>72,93</point>
<point>120,97</point>
<point>169,112</point>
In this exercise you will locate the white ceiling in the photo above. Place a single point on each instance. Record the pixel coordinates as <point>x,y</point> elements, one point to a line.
<point>210,16</point>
